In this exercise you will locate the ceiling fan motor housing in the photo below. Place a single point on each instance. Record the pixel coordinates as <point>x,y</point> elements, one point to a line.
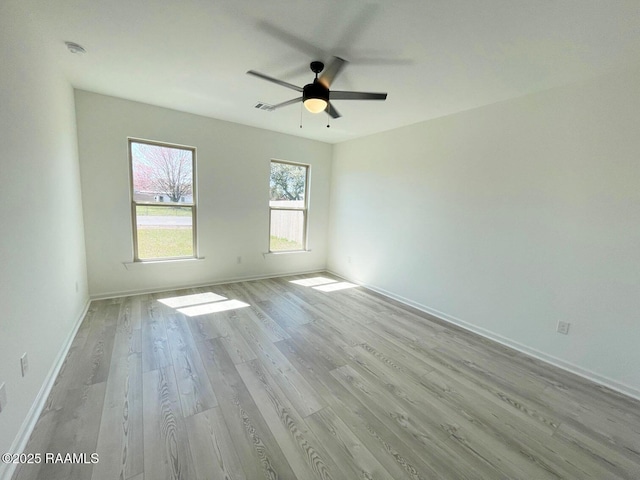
<point>315,90</point>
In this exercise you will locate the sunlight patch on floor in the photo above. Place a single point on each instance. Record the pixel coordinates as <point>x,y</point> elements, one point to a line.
<point>188,300</point>
<point>206,308</point>
<point>202,304</point>
<point>332,287</point>
<point>314,281</point>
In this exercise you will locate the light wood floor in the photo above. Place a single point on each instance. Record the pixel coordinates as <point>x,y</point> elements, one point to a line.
<point>311,384</point>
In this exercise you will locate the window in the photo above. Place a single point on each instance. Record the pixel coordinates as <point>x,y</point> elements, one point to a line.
<point>288,186</point>
<point>162,200</point>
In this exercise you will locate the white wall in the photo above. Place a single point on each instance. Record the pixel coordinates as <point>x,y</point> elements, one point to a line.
<point>41,235</point>
<point>508,218</point>
<point>233,194</point>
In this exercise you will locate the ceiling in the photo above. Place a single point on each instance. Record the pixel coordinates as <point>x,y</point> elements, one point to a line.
<point>433,57</point>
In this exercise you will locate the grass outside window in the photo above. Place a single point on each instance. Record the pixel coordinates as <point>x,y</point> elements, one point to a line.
<point>164,242</point>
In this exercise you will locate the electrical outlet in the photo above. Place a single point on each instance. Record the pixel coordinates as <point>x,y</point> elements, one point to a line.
<point>77,287</point>
<point>239,260</point>
<point>563,327</point>
<point>3,397</point>
<point>24,364</point>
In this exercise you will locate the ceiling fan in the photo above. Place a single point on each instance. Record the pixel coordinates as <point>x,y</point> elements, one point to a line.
<point>317,96</point>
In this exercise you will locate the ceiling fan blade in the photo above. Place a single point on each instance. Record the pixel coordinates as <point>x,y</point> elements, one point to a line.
<point>332,71</point>
<point>331,110</point>
<point>288,102</point>
<point>341,95</point>
<point>291,40</point>
<point>275,80</point>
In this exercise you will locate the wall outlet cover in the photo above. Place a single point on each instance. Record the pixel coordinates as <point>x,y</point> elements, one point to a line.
<point>563,327</point>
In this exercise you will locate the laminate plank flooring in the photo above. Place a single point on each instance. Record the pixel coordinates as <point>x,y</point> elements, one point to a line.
<point>304,380</point>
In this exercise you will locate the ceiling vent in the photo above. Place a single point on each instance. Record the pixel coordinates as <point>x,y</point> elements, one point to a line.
<point>264,106</point>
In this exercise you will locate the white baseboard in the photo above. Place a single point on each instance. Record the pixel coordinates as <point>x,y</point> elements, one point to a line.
<point>29,423</point>
<point>128,293</point>
<point>532,352</point>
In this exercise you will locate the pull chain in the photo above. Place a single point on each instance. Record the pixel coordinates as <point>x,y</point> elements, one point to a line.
<point>301,104</point>
<point>328,115</point>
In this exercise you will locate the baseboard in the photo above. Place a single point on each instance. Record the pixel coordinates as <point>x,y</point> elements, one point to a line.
<point>29,423</point>
<point>532,352</point>
<point>128,293</point>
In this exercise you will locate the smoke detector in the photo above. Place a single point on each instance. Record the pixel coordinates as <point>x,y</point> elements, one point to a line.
<point>75,48</point>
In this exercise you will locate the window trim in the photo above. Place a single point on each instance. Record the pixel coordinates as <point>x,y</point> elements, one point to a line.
<point>304,209</point>
<point>192,205</point>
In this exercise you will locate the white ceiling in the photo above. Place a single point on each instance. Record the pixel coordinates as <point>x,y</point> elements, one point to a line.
<point>433,57</point>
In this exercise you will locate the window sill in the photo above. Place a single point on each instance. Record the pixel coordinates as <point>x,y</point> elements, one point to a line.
<point>147,263</point>
<point>291,252</point>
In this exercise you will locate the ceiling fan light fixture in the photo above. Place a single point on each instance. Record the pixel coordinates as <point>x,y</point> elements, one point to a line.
<point>315,97</point>
<point>315,105</point>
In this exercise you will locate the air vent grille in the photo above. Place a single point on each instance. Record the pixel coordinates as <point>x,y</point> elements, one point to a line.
<point>264,106</point>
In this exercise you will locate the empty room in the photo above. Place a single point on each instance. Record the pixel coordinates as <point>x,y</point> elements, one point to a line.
<point>320,240</point>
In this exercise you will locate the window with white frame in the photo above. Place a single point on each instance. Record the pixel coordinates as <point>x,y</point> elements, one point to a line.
<point>163,202</point>
<point>288,201</point>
